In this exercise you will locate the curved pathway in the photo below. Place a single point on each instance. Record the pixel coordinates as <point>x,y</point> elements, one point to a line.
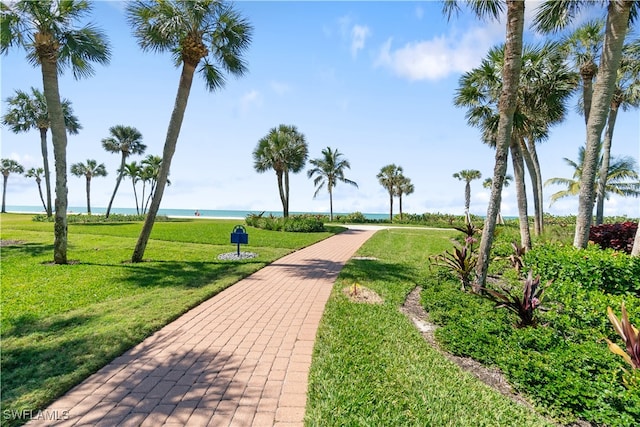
<point>239,359</point>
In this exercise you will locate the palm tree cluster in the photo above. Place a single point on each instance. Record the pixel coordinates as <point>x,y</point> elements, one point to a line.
<point>392,179</point>
<point>329,170</point>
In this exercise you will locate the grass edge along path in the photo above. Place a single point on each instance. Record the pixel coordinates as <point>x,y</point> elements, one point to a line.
<point>370,364</point>
<point>62,323</point>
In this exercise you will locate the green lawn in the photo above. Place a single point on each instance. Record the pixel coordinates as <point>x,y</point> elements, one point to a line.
<point>60,323</point>
<point>372,367</point>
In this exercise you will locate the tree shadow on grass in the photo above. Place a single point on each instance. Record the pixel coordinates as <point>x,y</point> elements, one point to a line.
<point>28,249</point>
<point>29,324</point>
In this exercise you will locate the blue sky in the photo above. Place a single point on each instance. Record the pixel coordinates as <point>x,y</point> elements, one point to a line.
<point>373,79</point>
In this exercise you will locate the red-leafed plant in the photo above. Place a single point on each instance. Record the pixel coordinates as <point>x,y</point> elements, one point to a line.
<point>630,335</point>
<point>617,236</point>
<point>461,261</point>
<point>524,306</point>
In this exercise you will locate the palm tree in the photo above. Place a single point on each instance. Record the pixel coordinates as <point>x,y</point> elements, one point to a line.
<point>28,112</point>
<point>206,35</point>
<point>329,170</point>
<point>149,174</point>
<point>284,150</point>
<point>467,175</point>
<point>555,15</point>
<point>36,173</point>
<point>488,183</point>
<point>405,187</point>
<point>133,171</point>
<point>507,107</point>
<point>45,30</point>
<point>621,170</point>
<point>8,167</point>
<point>626,96</point>
<point>125,140</point>
<point>88,170</point>
<point>389,178</point>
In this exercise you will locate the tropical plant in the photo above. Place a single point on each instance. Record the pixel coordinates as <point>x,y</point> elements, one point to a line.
<point>8,166</point>
<point>461,261</point>
<point>36,173</point>
<point>405,187</point>
<point>488,182</point>
<point>507,106</point>
<point>389,177</point>
<point>556,15</point>
<point>467,175</point>
<point>329,170</point>
<point>629,334</point>
<point>149,175</point>
<point>284,149</point>
<point>524,306</point>
<point>133,171</point>
<point>29,111</point>
<point>208,36</point>
<point>124,140</point>
<point>88,170</point>
<point>45,29</point>
<point>626,96</point>
<point>621,171</point>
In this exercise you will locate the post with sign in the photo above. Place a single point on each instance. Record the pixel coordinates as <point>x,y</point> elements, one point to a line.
<point>239,236</point>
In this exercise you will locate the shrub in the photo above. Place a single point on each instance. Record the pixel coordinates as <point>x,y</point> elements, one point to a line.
<point>293,223</point>
<point>617,236</point>
<point>591,268</point>
<point>461,261</point>
<point>91,219</point>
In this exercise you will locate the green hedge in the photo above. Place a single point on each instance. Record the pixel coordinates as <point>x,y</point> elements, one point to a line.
<point>293,223</point>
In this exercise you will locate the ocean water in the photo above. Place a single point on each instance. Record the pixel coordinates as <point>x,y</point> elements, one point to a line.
<point>204,213</point>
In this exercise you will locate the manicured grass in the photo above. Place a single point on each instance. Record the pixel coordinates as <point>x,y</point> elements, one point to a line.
<point>60,323</point>
<point>370,364</point>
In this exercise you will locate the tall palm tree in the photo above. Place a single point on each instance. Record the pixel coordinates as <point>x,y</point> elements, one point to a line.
<point>125,140</point>
<point>133,171</point>
<point>507,107</point>
<point>626,96</point>
<point>583,47</point>
<point>389,178</point>
<point>467,175</point>
<point>26,112</point>
<point>329,170</point>
<point>45,29</point>
<point>284,150</point>
<point>36,173</point>
<point>7,167</point>
<point>555,15</point>
<point>622,178</point>
<point>88,170</point>
<point>149,175</point>
<point>405,187</point>
<point>205,35</point>
<point>488,183</point>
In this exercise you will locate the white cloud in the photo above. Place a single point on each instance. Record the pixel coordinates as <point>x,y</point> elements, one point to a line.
<point>437,58</point>
<point>359,34</point>
<point>249,100</point>
<point>280,88</point>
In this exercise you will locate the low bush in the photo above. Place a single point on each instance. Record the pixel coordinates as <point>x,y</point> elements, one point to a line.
<point>95,219</point>
<point>591,268</point>
<point>618,236</point>
<point>293,223</point>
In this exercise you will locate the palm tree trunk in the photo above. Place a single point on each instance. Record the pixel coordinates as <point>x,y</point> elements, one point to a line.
<point>4,191</point>
<point>507,107</point>
<point>636,243</point>
<point>330,205</point>
<point>400,205</point>
<point>47,173</point>
<point>615,31</point>
<point>135,196</point>
<point>59,137</point>
<point>390,207</point>
<point>144,187</point>
<point>467,197</point>
<point>587,94</point>
<point>44,204</point>
<point>533,175</point>
<point>521,192</point>
<point>538,185</point>
<point>88,186</point>
<point>286,192</point>
<point>115,190</point>
<point>173,132</point>
<point>283,199</point>
<point>606,160</point>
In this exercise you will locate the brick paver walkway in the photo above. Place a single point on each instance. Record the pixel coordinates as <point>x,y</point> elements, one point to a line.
<point>239,359</point>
